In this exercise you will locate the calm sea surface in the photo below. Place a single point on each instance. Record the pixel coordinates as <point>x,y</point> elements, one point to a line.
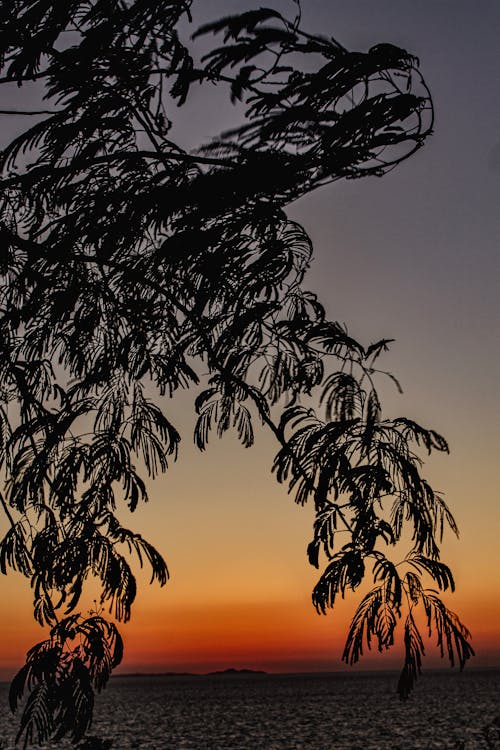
<point>292,712</point>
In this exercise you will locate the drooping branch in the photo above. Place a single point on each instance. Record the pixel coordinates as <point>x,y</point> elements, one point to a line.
<point>129,261</point>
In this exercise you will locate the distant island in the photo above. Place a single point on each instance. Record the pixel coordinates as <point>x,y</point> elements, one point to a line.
<point>232,672</point>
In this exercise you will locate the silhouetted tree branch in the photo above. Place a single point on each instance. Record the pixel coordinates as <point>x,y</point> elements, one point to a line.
<point>130,267</point>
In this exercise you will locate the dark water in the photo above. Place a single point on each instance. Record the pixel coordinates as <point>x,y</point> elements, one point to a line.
<point>293,712</point>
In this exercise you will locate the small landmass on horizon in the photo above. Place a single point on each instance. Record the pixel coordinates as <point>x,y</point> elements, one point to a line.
<point>232,671</point>
<point>220,672</point>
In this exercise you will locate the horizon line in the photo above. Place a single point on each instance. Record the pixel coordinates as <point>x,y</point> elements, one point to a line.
<point>244,671</point>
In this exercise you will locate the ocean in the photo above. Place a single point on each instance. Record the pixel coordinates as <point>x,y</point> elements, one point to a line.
<point>337,711</point>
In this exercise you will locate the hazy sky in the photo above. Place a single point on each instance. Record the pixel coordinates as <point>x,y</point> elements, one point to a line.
<point>412,256</point>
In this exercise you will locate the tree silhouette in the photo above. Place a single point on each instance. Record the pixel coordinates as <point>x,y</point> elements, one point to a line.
<point>129,266</point>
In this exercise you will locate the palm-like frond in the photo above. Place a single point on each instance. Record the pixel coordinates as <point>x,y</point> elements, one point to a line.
<point>376,617</point>
<point>221,407</point>
<point>234,25</point>
<point>151,433</point>
<point>325,526</point>
<point>14,550</point>
<point>345,570</point>
<point>440,572</point>
<point>37,718</point>
<point>343,397</point>
<point>452,636</point>
<point>414,651</point>
<point>59,679</point>
<point>143,549</point>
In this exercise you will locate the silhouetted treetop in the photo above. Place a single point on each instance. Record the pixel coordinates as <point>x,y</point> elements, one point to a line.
<point>131,268</point>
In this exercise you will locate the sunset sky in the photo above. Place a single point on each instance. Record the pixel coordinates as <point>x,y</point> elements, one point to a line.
<point>413,256</point>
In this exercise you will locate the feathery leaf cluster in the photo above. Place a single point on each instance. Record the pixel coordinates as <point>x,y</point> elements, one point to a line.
<point>131,268</point>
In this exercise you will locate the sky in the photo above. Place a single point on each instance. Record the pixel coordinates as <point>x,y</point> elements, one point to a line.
<point>412,256</point>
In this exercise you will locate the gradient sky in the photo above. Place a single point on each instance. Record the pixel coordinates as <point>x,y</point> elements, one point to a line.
<point>412,256</point>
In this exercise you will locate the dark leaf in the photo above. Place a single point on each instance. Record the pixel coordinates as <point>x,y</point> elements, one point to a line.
<point>414,651</point>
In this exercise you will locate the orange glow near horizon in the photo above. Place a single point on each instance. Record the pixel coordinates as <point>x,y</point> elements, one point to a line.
<point>220,634</point>
<point>274,638</point>
<point>239,595</point>
<point>169,634</point>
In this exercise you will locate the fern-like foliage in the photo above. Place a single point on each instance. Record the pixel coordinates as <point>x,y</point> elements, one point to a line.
<point>364,475</point>
<point>131,269</point>
<point>452,636</point>
<point>61,674</point>
<point>381,610</point>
